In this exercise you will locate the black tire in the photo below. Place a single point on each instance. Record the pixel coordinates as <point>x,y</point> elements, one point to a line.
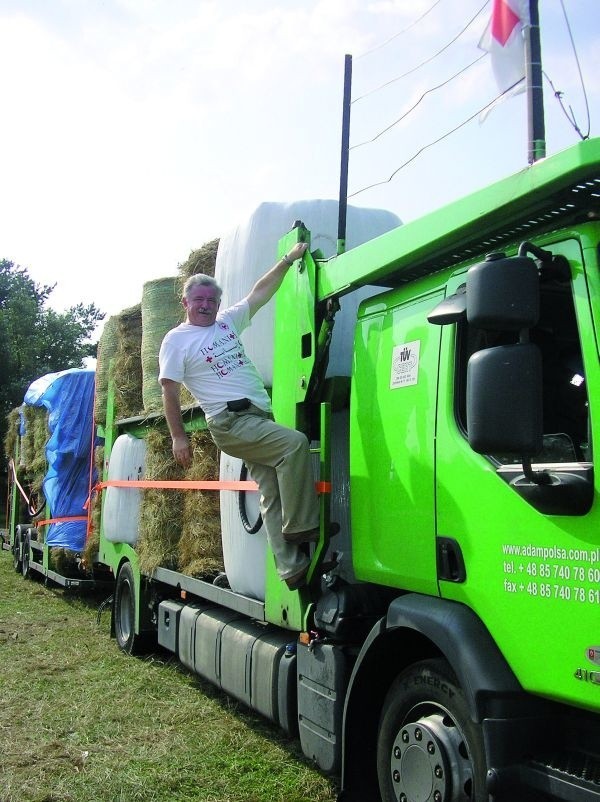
<point>25,568</point>
<point>128,640</point>
<point>428,747</point>
<point>18,550</point>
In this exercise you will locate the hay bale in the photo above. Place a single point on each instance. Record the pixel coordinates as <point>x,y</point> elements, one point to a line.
<point>65,561</point>
<point>11,438</point>
<point>92,543</point>
<point>200,548</point>
<point>202,260</point>
<point>180,529</point>
<point>107,350</point>
<point>161,511</point>
<point>127,373</point>
<point>33,446</point>
<point>161,311</point>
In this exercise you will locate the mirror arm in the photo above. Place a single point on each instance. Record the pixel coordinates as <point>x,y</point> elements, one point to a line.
<point>536,477</point>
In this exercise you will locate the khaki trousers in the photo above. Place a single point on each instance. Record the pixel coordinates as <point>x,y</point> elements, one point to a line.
<point>278,460</point>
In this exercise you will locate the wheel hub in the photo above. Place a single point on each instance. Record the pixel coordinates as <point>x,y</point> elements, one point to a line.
<point>429,762</point>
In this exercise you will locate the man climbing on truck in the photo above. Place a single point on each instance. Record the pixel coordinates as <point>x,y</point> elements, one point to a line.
<point>206,355</point>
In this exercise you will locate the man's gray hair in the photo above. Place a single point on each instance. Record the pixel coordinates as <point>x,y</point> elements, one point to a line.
<point>202,280</point>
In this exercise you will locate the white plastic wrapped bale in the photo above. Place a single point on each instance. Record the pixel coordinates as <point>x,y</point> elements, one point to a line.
<point>244,554</point>
<point>243,256</point>
<point>249,250</point>
<point>121,510</point>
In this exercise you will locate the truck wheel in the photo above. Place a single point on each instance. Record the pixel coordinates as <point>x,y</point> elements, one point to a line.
<point>124,610</point>
<point>25,570</point>
<point>17,550</point>
<point>124,615</point>
<point>428,748</point>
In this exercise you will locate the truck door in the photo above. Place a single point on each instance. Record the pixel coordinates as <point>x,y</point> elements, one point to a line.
<point>392,413</point>
<point>531,560</point>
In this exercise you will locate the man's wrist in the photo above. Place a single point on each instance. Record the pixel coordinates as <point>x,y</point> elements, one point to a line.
<point>285,258</point>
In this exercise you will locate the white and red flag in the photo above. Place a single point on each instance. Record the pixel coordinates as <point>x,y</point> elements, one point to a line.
<point>503,39</point>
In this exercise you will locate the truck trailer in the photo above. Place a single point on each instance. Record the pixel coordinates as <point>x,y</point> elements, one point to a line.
<point>452,651</point>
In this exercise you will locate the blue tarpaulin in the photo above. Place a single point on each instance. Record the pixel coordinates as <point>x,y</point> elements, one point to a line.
<point>69,398</point>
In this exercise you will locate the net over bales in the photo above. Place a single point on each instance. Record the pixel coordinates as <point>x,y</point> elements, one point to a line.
<point>161,311</point>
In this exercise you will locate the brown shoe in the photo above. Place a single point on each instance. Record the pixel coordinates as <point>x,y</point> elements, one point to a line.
<point>302,537</point>
<point>297,580</point>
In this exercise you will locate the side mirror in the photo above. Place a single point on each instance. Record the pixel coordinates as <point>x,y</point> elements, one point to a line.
<point>505,400</point>
<point>503,294</point>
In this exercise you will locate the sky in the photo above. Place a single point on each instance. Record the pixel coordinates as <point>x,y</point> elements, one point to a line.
<point>135,131</point>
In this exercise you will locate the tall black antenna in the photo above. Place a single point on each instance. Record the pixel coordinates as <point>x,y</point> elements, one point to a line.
<point>343,201</point>
<point>533,79</point>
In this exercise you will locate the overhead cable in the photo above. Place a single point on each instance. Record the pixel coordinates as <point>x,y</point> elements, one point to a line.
<point>414,106</point>
<point>424,148</point>
<point>423,63</point>
<point>396,35</point>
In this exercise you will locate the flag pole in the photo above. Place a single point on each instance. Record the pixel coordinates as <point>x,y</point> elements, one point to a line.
<point>343,198</point>
<point>533,79</point>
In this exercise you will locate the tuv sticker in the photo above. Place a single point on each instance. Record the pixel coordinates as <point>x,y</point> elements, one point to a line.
<point>405,365</point>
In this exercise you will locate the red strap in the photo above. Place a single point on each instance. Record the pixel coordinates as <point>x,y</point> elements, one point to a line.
<point>147,484</point>
<point>61,520</point>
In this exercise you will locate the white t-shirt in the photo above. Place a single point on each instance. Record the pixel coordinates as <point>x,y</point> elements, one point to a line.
<point>211,362</point>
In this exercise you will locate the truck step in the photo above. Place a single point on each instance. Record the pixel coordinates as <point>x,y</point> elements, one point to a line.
<point>560,775</point>
<point>575,765</point>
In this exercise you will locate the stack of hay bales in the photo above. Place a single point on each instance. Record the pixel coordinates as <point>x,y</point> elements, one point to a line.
<point>178,529</point>
<point>33,467</point>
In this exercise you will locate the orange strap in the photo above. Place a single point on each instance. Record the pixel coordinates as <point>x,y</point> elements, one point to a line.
<point>11,465</point>
<point>147,484</point>
<point>61,520</point>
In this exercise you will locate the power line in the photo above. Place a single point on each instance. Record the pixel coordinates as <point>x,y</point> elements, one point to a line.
<point>585,98</point>
<point>424,148</point>
<point>414,106</point>
<point>396,35</point>
<point>423,63</point>
<point>570,115</point>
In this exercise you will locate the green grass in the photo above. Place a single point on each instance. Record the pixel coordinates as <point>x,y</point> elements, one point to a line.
<point>80,721</point>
